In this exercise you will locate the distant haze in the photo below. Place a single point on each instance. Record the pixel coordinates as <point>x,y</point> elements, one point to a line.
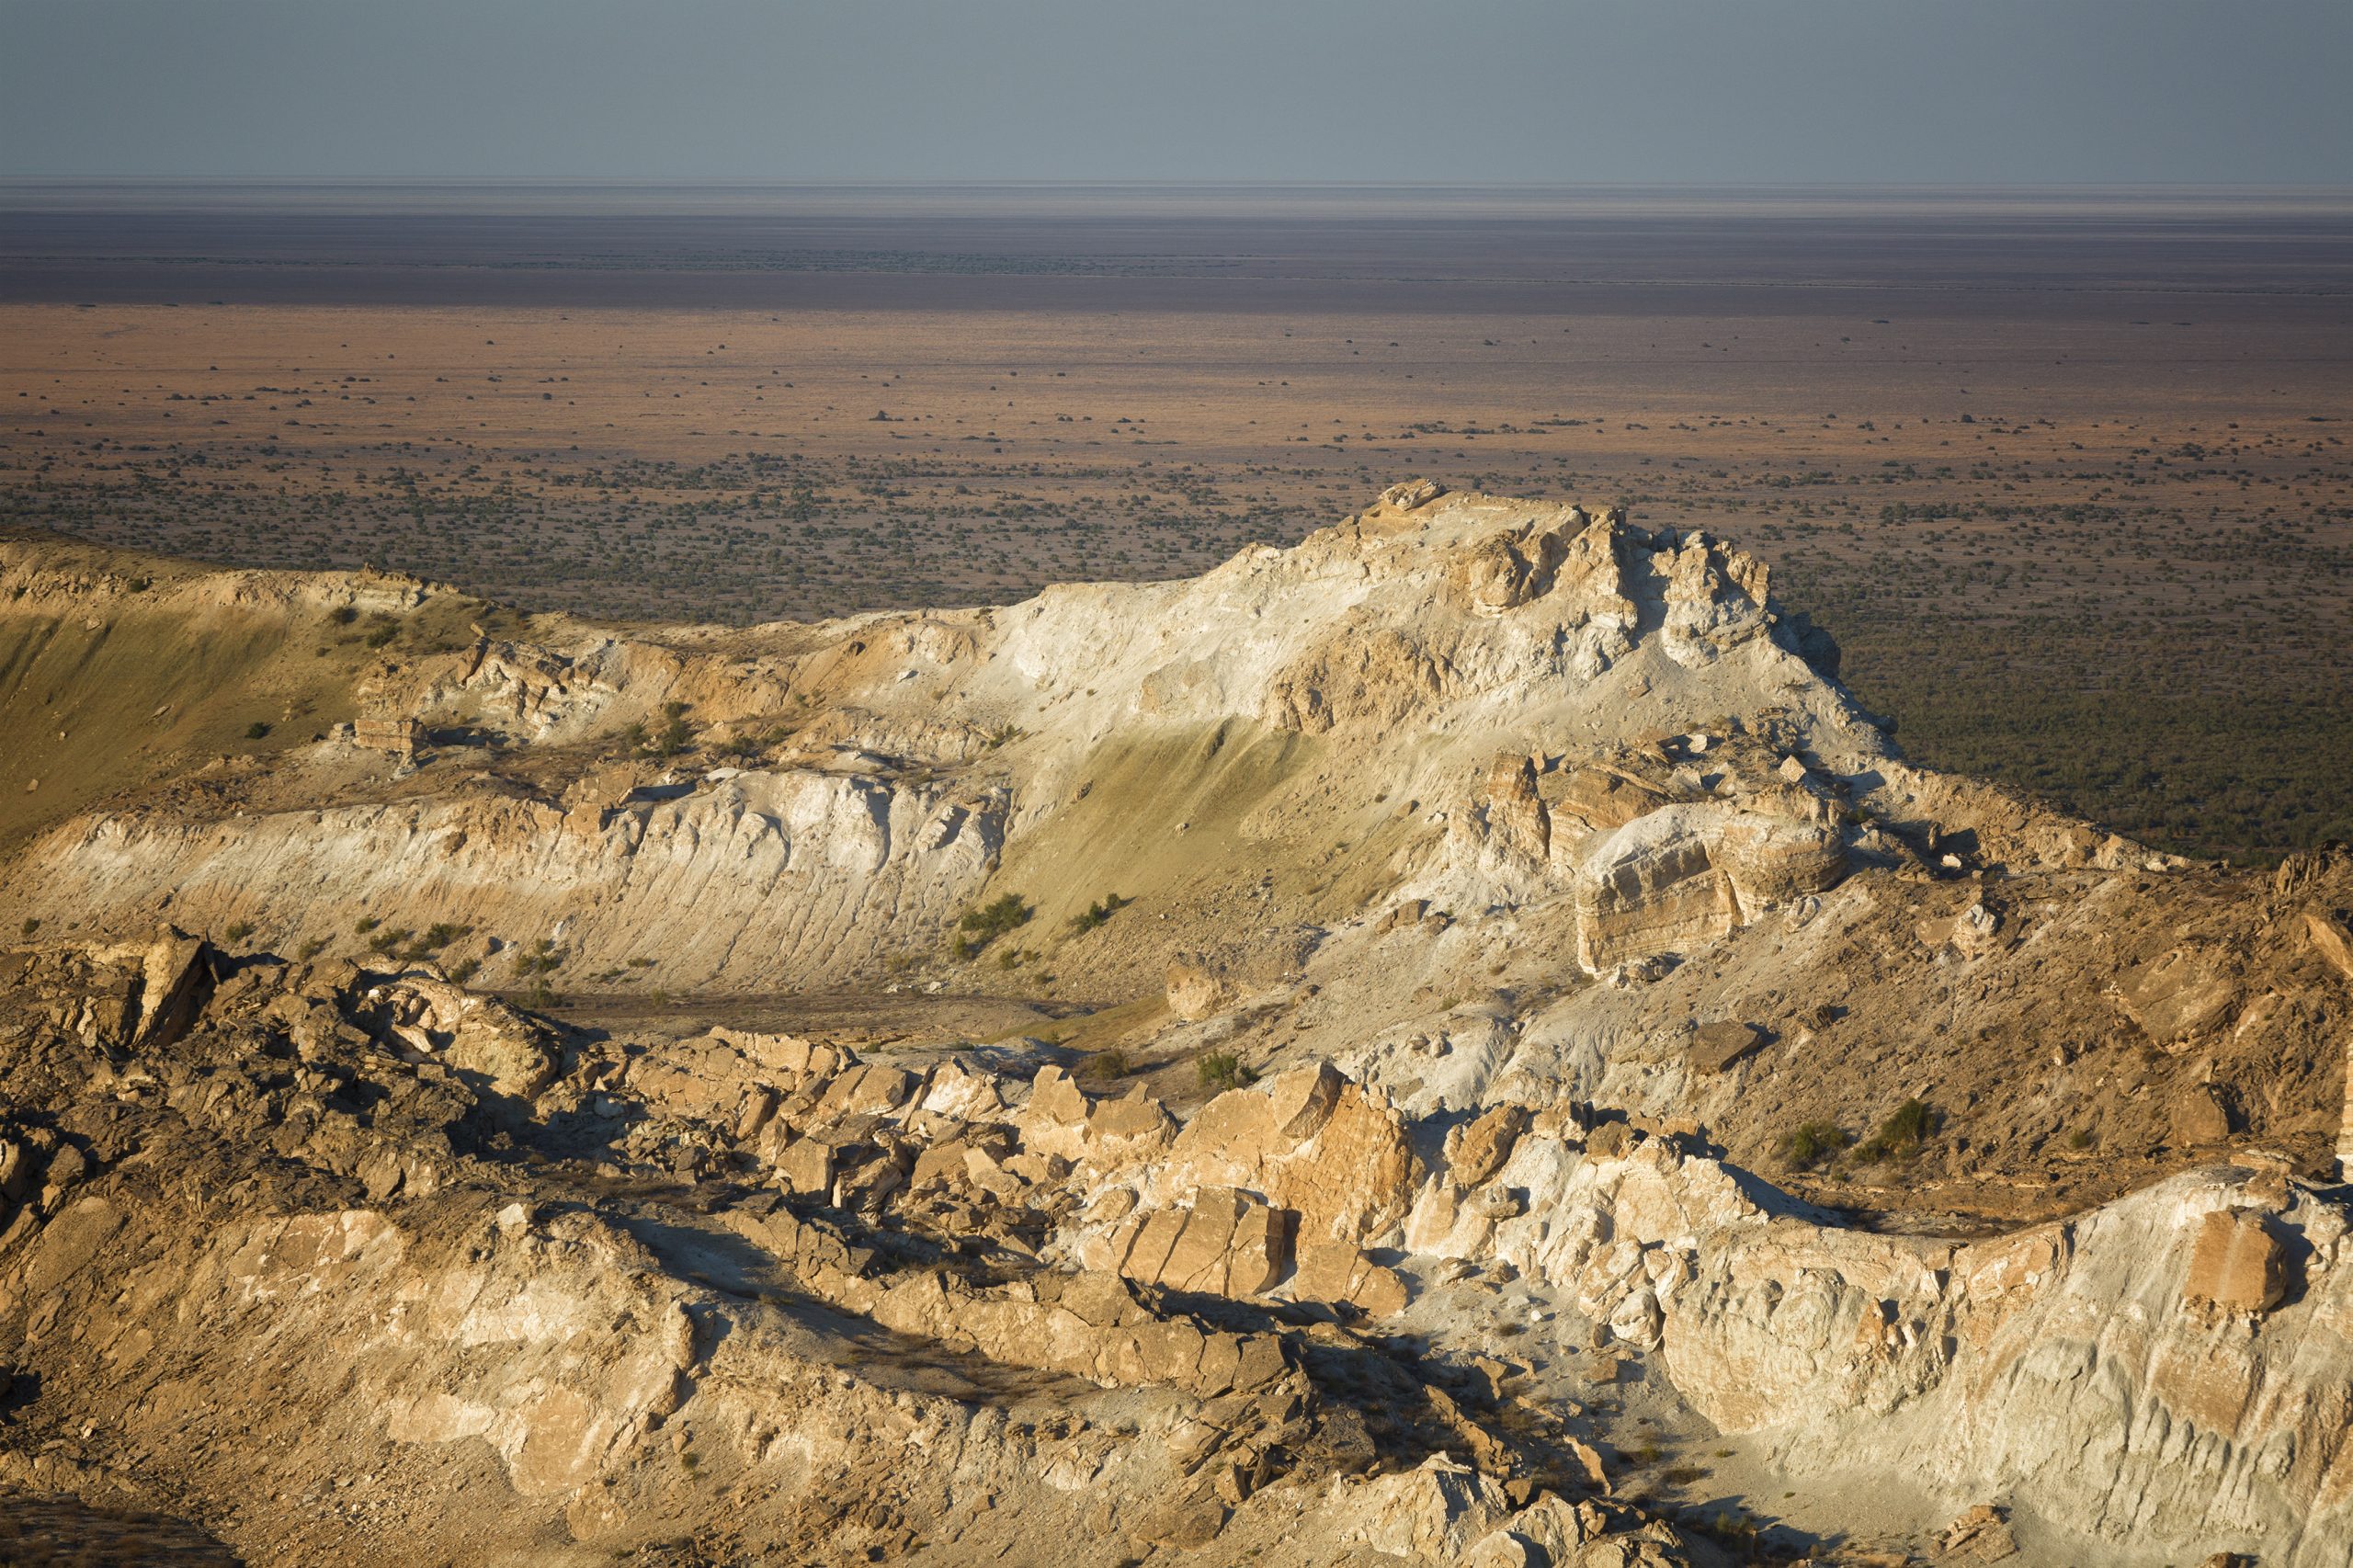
<point>1883,91</point>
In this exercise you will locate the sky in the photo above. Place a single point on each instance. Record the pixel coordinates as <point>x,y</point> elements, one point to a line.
<point>1999,92</point>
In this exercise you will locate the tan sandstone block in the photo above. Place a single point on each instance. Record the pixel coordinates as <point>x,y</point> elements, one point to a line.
<point>2238,1265</point>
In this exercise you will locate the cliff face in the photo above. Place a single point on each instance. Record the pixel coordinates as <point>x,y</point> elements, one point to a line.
<point>889,766</point>
<point>1469,1003</point>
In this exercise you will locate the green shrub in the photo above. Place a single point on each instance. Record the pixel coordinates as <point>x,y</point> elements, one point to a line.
<point>1109,1063</point>
<point>1907,1127</point>
<point>985,924</point>
<point>1813,1142</point>
<point>671,739</point>
<point>1224,1070</point>
<point>256,730</point>
<point>311,949</point>
<point>32,925</point>
<point>542,958</point>
<point>1102,909</point>
<point>463,970</point>
<point>363,924</point>
<point>238,930</point>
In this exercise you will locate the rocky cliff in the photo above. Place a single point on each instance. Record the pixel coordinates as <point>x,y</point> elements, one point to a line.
<point>1452,1042</point>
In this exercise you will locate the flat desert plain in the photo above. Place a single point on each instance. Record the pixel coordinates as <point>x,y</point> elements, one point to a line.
<point>2066,474</point>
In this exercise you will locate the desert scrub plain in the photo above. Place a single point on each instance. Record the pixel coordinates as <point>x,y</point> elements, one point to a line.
<point>2072,487</point>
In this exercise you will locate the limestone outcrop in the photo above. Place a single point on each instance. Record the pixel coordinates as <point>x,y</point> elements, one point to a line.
<point>1385,1051</point>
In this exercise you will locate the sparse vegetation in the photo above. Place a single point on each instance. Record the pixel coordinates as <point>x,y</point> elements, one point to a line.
<point>1907,1127</point>
<point>672,738</point>
<point>1104,1064</point>
<point>238,930</point>
<point>1811,1142</point>
<point>310,950</point>
<point>981,925</point>
<point>541,959</point>
<point>1095,913</point>
<point>1224,1070</point>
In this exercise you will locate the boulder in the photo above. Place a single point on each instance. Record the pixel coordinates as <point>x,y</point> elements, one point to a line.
<point>1688,874</point>
<point>1224,1244</point>
<point>2331,941</point>
<point>173,979</point>
<point>1300,1102</point>
<point>1981,1535</point>
<point>1409,493</point>
<point>2177,996</point>
<point>1196,990</point>
<point>1717,1046</point>
<point>2198,1116</point>
<point>1476,1151</point>
<point>1352,1171</point>
<point>2238,1265</point>
<point>806,1168</point>
<point>1432,1513</point>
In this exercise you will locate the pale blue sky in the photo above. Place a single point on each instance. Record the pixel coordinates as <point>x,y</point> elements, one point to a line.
<point>1996,91</point>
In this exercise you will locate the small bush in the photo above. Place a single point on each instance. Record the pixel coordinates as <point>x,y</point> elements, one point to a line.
<point>311,949</point>
<point>344,615</point>
<point>1813,1142</point>
<point>463,970</point>
<point>363,924</point>
<point>381,629</point>
<point>1224,1070</point>
<point>256,730</point>
<point>238,930</point>
<point>671,739</point>
<point>32,925</point>
<point>1907,1127</point>
<point>1012,958</point>
<point>981,925</point>
<point>541,958</point>
<point>1102,909</point>
<point>1111,1064</point>
<point>2081,1138</point>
